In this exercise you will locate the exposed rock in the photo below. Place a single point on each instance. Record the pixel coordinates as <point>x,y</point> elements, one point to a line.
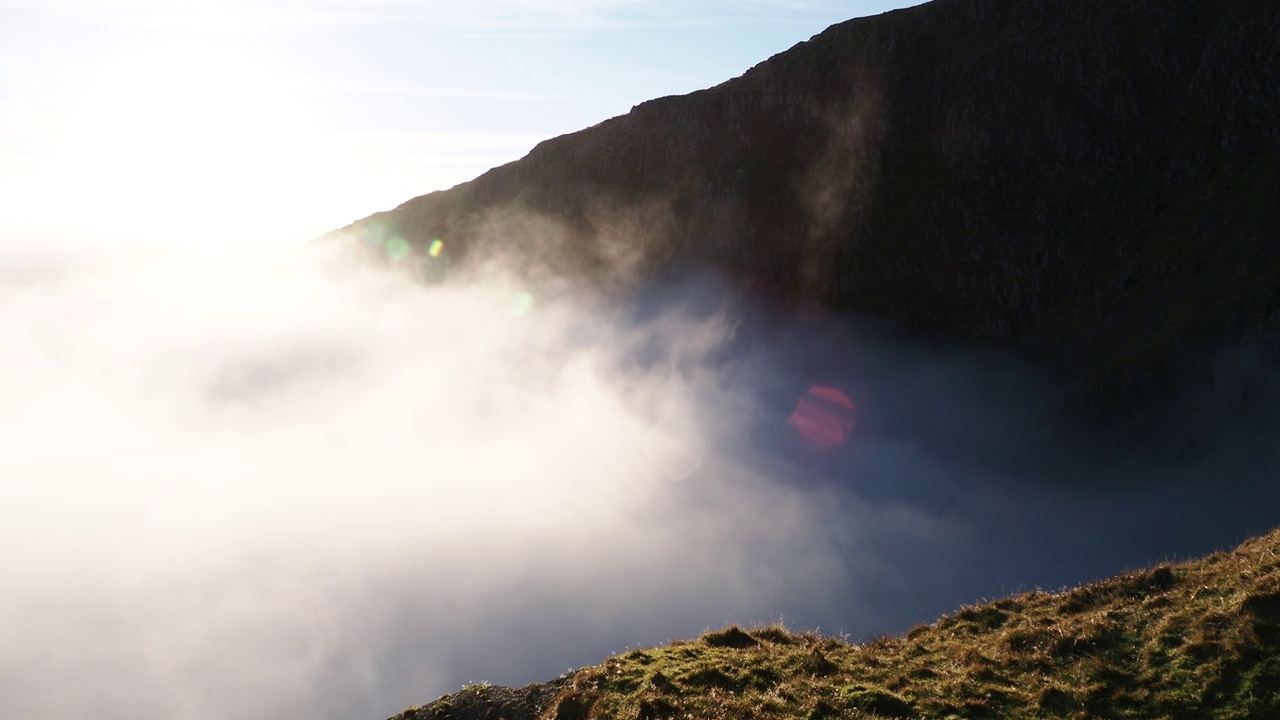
<point>492,702</point>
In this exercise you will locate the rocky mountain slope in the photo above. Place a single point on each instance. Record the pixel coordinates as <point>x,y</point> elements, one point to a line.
<point>1190,641</point>
<point>1094,184</point>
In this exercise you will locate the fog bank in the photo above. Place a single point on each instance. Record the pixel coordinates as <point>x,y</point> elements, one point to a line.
<point>265,481</point>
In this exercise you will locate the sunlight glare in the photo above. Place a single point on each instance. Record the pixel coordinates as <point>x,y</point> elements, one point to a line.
<point>191,141</point>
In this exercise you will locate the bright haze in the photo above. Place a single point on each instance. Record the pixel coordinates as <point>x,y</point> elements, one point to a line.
<point>245,478</point>
<point>270,118</point>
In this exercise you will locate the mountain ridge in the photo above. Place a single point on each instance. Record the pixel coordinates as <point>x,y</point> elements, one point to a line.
<point>1090,186</point>
<point>1087,184</point>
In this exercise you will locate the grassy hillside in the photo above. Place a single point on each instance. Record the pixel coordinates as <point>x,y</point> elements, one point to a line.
<point>1188,641</point>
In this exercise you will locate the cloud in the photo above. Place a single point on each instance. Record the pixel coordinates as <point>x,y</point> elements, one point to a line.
<point>531,18</point>
<point>257,16</point>
<point>261,482</point>
<point>446,92</point>
<point>227,474</point>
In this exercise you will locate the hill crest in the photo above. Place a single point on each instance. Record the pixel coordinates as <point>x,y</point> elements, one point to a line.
<point>1198,639</point>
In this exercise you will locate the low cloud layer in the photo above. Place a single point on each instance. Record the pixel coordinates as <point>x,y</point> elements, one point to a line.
<point>269,483</point>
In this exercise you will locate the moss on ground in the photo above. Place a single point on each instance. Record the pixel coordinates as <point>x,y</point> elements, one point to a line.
<point>1186,641</point>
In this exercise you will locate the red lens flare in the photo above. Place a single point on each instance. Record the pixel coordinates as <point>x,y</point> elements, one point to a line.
<point>824,416</point>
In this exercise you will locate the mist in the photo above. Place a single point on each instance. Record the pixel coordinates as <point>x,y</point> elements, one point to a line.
<point>266,481</point>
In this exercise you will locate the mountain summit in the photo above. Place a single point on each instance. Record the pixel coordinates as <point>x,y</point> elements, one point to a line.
<point>1090,183</point>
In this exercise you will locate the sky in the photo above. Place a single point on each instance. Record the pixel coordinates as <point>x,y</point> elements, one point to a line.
<point>288,118</point>
<point>242,477</point>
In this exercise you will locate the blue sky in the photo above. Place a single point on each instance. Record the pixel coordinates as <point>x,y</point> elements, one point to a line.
<point>289,117</point>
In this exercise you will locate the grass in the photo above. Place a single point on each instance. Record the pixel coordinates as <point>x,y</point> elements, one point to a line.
<point>1183,642</point>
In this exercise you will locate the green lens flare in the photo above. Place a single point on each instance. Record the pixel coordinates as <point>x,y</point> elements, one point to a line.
<point>522,305</point>
<point>436,246</point>
<point>398,249</point>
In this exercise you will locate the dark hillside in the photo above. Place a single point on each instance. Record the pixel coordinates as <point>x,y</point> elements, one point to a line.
<point>1093,183</point>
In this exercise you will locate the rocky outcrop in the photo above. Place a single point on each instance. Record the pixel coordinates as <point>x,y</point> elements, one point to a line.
<point>493,702</point>
<point>1092,183</point>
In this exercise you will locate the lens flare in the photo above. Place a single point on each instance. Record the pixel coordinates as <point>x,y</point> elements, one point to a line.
<point>372,235</point>
<point>435,265</point>
<point>398,249</point>
<point>824,416</point>
<point>522,305</point>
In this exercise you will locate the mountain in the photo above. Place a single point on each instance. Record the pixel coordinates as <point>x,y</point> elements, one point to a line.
<point>1188,641</point>
<point>1091,184</point>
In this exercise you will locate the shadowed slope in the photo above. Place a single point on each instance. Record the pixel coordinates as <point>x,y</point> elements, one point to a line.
<point>1092,182</point>
<point>1193,640</point>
